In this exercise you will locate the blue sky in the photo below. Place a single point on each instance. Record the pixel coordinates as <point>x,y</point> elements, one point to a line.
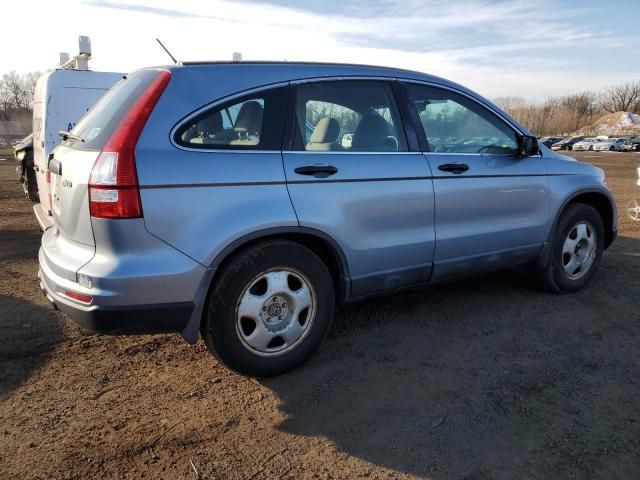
<point>527,48</point>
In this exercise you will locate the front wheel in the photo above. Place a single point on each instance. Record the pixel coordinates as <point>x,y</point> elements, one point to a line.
<point>612,149</point>
<point>576,249</point>
<point>270,308</point>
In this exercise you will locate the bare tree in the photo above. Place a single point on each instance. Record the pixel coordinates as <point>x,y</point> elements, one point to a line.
<point>509,103</point>
<point>16,98</point>
<point>621,98</point>
<point>557,115</point>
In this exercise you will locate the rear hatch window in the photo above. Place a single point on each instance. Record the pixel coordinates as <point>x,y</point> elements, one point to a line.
<point>98,124</point>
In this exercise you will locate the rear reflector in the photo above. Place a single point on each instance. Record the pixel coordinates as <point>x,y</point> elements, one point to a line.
<point>113,186</point>
<point>78,296</point>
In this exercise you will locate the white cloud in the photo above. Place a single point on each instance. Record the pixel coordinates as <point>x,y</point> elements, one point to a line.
<point>495,48</point>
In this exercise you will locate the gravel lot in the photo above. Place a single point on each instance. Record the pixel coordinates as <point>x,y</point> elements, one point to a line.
<point>489,378</point>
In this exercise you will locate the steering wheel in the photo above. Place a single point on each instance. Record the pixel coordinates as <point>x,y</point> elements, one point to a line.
<point>486,148</point>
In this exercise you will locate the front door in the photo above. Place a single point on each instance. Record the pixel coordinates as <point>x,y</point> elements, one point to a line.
<point>352,177</point>
<point>491,203</point>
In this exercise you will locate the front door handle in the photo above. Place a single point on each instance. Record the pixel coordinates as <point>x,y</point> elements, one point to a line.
<point>454,167</point>
<point>317,170</point>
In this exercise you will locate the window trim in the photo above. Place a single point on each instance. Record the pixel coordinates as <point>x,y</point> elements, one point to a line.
<point>220,102</point>
<point>406,116</point>
<point>422,136</point>
<point>292,121</point>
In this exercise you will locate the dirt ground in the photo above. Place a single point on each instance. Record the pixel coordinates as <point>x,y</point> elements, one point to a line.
<point>489,378</point>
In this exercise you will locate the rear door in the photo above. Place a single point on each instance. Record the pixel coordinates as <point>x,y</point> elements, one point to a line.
<point>492,205</point>
<point>352,177</point>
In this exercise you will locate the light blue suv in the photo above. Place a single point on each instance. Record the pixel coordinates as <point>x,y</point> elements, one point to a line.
<point>246,200</point>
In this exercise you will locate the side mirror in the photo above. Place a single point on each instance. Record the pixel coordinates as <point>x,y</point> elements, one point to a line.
<point>528,146</point>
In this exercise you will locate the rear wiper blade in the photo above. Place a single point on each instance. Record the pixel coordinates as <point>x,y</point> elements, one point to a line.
<point>65,135</point>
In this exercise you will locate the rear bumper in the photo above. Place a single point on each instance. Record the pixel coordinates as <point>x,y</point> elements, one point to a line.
<point>131,283</point>
<point>129,320</point>
<point>43,218</point>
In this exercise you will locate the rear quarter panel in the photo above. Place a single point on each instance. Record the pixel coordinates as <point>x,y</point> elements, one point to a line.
<point>201,201</point>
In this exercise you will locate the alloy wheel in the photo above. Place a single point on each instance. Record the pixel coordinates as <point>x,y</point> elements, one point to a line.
<point>275,311</point>
<point>579,250</point>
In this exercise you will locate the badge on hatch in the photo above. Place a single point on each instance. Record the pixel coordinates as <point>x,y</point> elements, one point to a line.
<point>67,183</point>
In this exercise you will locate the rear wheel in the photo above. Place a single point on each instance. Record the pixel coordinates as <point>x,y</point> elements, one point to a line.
<point>269,309</point>
<point>611,149</point>
<point>576,249</point>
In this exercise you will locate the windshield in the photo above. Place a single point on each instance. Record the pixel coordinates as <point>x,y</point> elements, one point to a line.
<point>97,125</point>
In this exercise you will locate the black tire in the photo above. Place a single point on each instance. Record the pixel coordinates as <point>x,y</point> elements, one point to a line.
<point>555,277</point>
<point>611,149</point>
<point>219,323</point>
<point>30,184</point>
<point>591,148</point>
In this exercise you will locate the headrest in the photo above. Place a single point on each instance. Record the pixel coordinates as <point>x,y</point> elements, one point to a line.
<point>249,118</point>
<point>372,130</point>
<point>326,131</point>
<point>210,124</point>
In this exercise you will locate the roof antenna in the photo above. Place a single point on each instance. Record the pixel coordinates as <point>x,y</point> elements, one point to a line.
<point>168,52</point>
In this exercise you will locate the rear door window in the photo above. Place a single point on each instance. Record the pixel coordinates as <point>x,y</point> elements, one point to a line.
<point>348,116</point>
<point>253,122</point>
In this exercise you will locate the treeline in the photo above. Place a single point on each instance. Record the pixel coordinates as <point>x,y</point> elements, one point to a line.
<point>16,92</point>
<point>563,115</point>
<point>16,103</point>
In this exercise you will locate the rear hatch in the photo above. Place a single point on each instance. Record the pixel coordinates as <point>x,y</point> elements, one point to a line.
<point>70,171</point>
<point>73,161</point>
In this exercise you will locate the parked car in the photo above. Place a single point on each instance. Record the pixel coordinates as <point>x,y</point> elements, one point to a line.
<point>548,141</point>
<point>251,234</point>
<point>631,145</point>
<point>611,144</point>
<point>586,144</point>
<point>566,143</point>
<point>23,152</point>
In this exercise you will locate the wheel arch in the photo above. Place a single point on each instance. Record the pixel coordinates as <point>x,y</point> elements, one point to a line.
<point>602,203</point>
<point>317,241</point>
<point>597,199</point>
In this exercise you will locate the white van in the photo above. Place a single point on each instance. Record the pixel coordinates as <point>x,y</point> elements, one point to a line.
<point>61,98</point>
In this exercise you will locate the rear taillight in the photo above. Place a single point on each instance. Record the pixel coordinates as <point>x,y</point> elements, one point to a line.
<point>113,186</point>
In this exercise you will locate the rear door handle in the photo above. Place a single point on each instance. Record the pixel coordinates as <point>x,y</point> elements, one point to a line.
<point>318,170</point>
<point>454,167</point>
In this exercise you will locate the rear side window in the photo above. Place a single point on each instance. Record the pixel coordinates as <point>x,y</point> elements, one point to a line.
<point>348,116</point>
<point>253,122</point>
<point>454,123</point>
<point>97,125</point>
